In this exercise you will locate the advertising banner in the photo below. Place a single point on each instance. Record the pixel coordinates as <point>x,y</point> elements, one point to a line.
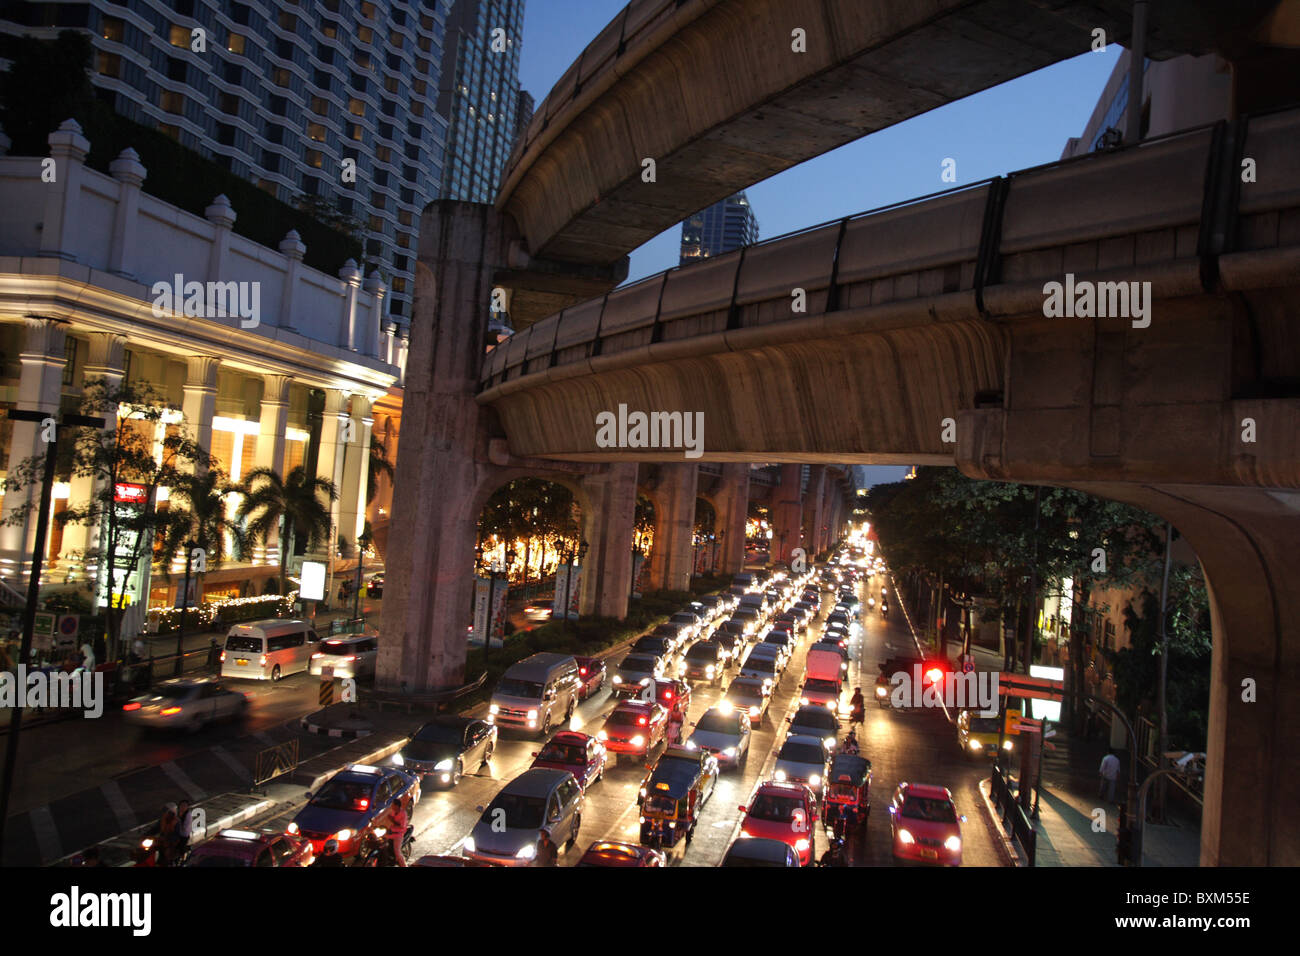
<point>481,607</point>
<point>568,581</point>
<point>638,571</point>
<point>501,589</point>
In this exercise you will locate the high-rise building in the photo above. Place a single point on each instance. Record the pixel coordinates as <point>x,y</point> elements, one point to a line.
<point>720,228</point>
<point>479,94</point>
<point>282,93</point>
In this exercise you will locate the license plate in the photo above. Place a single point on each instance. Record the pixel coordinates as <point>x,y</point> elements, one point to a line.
<point>241,661</point>
<point>929,854</point>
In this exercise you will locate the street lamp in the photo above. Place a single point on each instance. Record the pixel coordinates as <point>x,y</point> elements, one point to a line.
<point>34,582</point>
<point>190,547</point>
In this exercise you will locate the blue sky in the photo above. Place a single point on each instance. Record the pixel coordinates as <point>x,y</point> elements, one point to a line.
<point>1014,126</point>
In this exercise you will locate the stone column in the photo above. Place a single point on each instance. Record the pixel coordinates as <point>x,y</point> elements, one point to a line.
<point>607,528</point>
<point>59,230</point>
<point>374,317</point>
<point>348,330</point>
<point>39,389</point>
<point>814,509</point>
<point>330,450</point>
<point>403,350</point>
<point>293,249</point>
<point>670,560</point>
<point>130,174</point>
<point>200,401</point>
<point>222,217</point>
<point>733,514</point>
<point>356,470</point>
<point>787,512</point>
<point>440,487</point>
<point>270,449</point>
<point>105,364</point>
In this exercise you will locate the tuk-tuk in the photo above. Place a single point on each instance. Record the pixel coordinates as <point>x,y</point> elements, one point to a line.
<point>675,792</point>
<point>848,794</point>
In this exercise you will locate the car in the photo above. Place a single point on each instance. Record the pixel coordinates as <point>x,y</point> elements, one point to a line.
<point>748,616</point>
<point>802,759</point>
<point>731,642</point>
<point>740,629</point>
<point>442,749</point>
<point>607,853</point>
<point>797,617</point>
<point>592,673</point>
<point>810,720</point>
<point>509,829</point>
<point>783,632</point>
<point>705,609</point>
<point>925,825</point>
<point>655,644</point>
<point>706,660</point>
<point>821,693</point>
<point>689,624</point>
<point>839,633</point>
<point>188,703</point>
<point>751,696</point>
<point>760,851</point>
<point>673,795</point>
<point>351,656</point>
<point>349,803</point>
<point>724,731</point>
<point>236,848</point>
<point>580,754</point>
<point>978,735</point>
<point>681,761</point>
<point>539,609</point>
<point>782,811</point>
<point>634,727</point>
<point>762,667</point>
<point>930,671</point>
<point>675,632</point>
<point>834,647</point>
<point>375,586</point>
<point>672,694</point>
<point>840,616</point>
<point>634,672</point>
<point>777,646</point>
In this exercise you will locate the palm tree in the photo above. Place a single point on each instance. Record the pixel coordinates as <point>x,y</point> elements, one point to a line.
<point>292,504</point>
<point>196,511</point>
<point>377,465</point>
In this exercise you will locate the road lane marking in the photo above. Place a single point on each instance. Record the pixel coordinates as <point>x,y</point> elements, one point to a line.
<point>182,780</point>
<point>121,807</point>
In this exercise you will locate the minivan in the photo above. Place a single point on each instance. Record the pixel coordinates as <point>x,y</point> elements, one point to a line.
<point>352,655</point>
<point>508,832</point>
<point>536,693</point>
<point>268,650</point>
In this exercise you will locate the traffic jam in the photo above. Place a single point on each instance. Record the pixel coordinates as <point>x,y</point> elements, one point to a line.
<point>736,733</point>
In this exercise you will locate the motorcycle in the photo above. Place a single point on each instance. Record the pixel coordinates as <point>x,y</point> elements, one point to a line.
<point>835,854</point>
<point>376,850</point>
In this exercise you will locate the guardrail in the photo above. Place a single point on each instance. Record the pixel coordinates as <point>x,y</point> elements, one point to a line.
<point>1012,815</point>
<point>273,761</point>
<point>1148,737</point>
<point>440,697</point>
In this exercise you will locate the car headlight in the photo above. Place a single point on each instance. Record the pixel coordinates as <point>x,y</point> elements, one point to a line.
<point>494,709</point>
<point>532,715</point>
<point>779,776</point>
<point>526,852</point>
<point>976,745</point>
<point>443,764</point>
<point>881,692</point>
<point>468,845</point>
<point>952,844</point>
<point>343,835</point>
<point>618,679</point>
<point>905,836</point>
<point>729,752</point>
<point>834,705</point>
<point>804,701</point>
<point>690,745</point>
<point>291,828</point>
<point>1008,744</point>
<point>753,711</point>
<point>829,742</point>
<point>801,845</point>
<point>398,761</point>
<point>644,681</point>
<point>601,735</point>
<point>815,780</point>
<point>637,741</point>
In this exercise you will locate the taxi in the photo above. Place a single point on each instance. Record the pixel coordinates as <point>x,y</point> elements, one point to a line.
<point>673,795</point>
<point>349,803</point>
<point>582,755</point>
<point>978,735</point>
<point>607,853</point>
<point>674,695</point>
<point>785,812</point>
<point>925,825</point>
<point>634,727</point>
<point>237,848</point>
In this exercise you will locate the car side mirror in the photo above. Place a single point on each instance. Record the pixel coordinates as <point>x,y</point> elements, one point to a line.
<point>534,753</point>
<point>744,809</point>
<point>307,795</point>
<point>962,818</point>
<point>479,808</point>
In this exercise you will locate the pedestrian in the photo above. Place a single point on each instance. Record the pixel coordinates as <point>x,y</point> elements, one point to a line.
<point>674,727</point>
<point>1109,774</point>
<point>138,649</point>
<point>214,654</point>
<point>87,655</point>
<point>398,821</point>
<point>184,828</point>
<point>166,843</point>
<point>548,854</point>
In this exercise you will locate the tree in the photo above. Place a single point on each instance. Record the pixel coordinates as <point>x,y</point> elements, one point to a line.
<point>57,69</point>
<point>196,511</point>
<point>292,505</point>
<point>125,474</point>
<point>377,464</point>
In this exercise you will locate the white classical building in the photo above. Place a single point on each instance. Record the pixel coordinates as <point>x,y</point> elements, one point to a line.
<point>79,254</point>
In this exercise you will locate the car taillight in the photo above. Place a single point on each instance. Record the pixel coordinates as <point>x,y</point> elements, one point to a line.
<point>641,721</point>
<point>582,671</point>
<point>223,657</point>
<point>132,706</point>
<point>362,803</point>
<point>263,660</point>
<point>168,711</point>
<point>314,656</point>
<point>350,657</point>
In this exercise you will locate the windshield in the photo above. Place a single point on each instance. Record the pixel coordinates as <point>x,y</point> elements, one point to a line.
<point>522,813</point>
<point>665,806</point>
<point>818,717</point>
<point>638,662</point>
<point>343,795</point>
<point>776,809</point>
<point>715,723</point>
<point>816,683</point>
<point>626,718</point>
<point>924,808</point>
<point>802,753</point>
<point>703,652</point>
<point>563,753</point>
<point>337,647</point>
<point>236,643</point>
<point>436,734</point>
<point>985,725</point>
<point>761,664</point>
<point>511,687</point>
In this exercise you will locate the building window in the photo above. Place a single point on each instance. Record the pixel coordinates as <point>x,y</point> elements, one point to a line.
<point>69,359</point>
<point>320,106</point>
<point>315,159</point>
<point>355,132</point>
<point>383,154</point>
<point>356,107</point>
<point>108,64</point>
<point>376,224</point>
<point>228,103</point>
<point>172,132</point>
<point>404,217</point>
<point>281,77</point>
<point>316,131</point>
<point>404,240</point>
<point>171,102</point>
<point>288,21</point>
<point>378,199</point>
<point>368,10</point>
<point>179,36</point>
<point>111,28</point>
<point>395,40</point>
<point>235,43</point>
<point>365,35</point>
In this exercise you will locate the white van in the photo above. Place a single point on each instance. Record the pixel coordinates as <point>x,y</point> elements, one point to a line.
<point>268,650</point>
<point>536,693</point>
<point>351,655</point>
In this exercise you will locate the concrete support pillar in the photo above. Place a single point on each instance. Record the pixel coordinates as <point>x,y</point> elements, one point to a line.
<point>787,513</point>
<point>356,470</point>
<point>348,329</point>
<point>130,174</point>
<point>293,249</point>
<point>39,388</point>
<point>732,504</point>
<point>607,528</point>
<point>105,365</point>
<point>200,401</point>
<point>814,509</point>
<point>440,488</point>
<point>670,562</point>
<point>222,217</point>
<point>269,452</point>
<point>329,454</point>
<point>374,317</point>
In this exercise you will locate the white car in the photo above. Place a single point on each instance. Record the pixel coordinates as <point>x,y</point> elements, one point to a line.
<point>185,704</point>
<point>350,656</point>
<point>724,732</point>
<point>802,759</point>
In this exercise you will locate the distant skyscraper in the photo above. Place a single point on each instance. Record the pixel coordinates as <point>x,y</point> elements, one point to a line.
<point>720,228</point>
<point>479,94</point>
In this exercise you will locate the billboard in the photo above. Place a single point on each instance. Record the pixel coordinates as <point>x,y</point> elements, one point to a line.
<point>312,587</point>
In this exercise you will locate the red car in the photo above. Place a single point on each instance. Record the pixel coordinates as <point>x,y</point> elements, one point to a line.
<point>673,695</point>
<point>785,812</point>
<point>581,755</point>
<point>634,727</point>
<point>925,825</point>
<point>591,675</point>
<point>602,853</point>
<point>236,848</point>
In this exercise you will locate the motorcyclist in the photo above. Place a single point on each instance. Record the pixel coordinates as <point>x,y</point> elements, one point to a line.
<point>884,608</point>
<point>851,743</point>
<point>857,705</point>
<point>329,854</point>
<point>398,821</point>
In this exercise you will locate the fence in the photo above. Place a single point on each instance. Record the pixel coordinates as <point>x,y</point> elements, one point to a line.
<point>1013,816</point>
<point>273,761</point>
<point>1148,745</point>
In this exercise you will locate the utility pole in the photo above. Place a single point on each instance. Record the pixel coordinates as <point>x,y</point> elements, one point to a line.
<point>1033,586</point>
<point>185,601</point>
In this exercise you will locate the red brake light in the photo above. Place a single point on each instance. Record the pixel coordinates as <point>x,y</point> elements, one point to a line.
<point>223,657</point>
<point>934,674</point>
<point>132,706</point>
<point>582,671</point>
<point>668,695</point>
<point>362,803</point>
<point>641,721</point>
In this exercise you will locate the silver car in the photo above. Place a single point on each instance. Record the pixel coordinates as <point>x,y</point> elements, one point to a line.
<point>723,732</point>
<point>509,831</point>
<point>353,656</point>
<point>802,759</point>
<point>185,704</point>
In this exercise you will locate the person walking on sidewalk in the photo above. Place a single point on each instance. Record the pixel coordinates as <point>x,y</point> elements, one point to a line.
<point>1109,774</point>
